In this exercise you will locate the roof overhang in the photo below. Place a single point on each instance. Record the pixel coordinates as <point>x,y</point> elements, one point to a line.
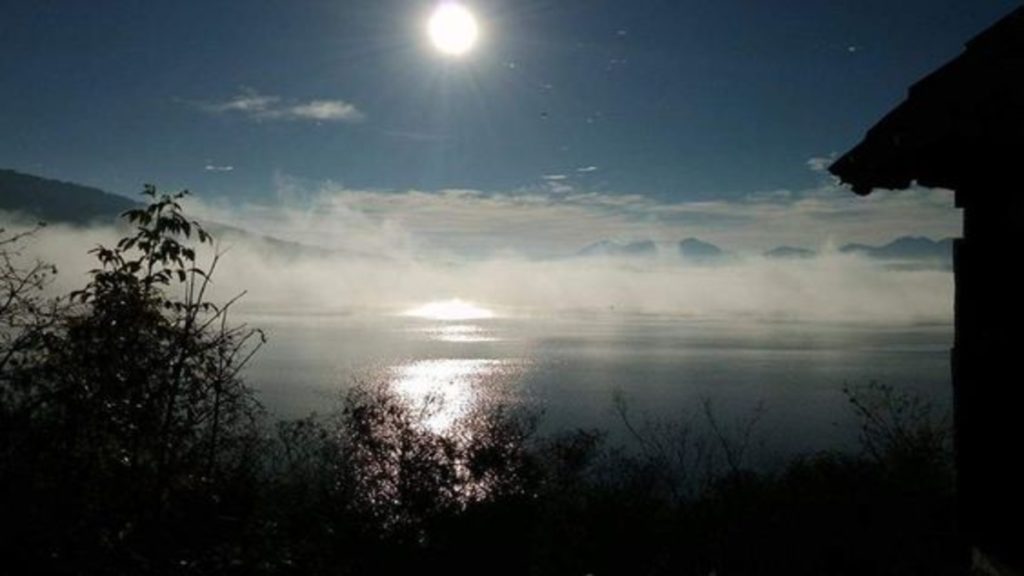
<point>961,124</point>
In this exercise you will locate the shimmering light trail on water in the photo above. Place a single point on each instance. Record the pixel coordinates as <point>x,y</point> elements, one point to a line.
<point>445,390</point>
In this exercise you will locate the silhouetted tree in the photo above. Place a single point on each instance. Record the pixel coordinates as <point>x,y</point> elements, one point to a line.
<point>134,410</point>
<point>25,312</point>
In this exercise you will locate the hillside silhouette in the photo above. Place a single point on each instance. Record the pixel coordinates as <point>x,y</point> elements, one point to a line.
<point>57,201</point>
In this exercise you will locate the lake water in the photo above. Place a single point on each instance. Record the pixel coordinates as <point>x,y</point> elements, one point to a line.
<point>571,367</point>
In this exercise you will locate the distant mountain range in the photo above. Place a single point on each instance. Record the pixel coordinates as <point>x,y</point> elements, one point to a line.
<point>904,252</point>
<point>906,248</point>
<point>690,249</point>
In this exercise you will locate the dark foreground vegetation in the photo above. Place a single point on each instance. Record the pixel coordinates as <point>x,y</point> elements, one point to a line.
<point>130,445</point>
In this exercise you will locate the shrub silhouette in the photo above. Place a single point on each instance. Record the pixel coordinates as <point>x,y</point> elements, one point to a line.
<point>132,411</point>
<point>25,314</point>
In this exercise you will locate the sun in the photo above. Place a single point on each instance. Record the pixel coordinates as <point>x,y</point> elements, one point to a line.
<point>453,29</point>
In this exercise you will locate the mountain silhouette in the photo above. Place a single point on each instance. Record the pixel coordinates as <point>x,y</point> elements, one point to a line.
<point>612,248</point>
<point>59,202</point>
<point>907,248</point>
<point>789,253</point>
<point>698,251</point>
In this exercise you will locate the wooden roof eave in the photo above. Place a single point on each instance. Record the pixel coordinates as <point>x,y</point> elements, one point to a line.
<point>963,120</point>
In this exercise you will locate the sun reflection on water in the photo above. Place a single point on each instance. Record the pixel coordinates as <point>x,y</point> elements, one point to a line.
<point>445,389</point>
<point>460,333</point>
<point>454,310</point>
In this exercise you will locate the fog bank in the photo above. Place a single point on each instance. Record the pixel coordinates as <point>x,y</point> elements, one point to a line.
<point>831,287</point>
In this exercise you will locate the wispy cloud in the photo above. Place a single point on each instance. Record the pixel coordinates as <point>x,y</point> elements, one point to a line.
<point>820,164</point>
<point>586,169</point>
<point>256,106</point>
<point>328,110</point>
<point>218,168</point>
<point>248,102</point>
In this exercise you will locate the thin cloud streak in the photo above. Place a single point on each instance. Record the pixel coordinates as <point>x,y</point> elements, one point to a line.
<point>248,102</point>
<point>327,110</point>
<point>256,106</point>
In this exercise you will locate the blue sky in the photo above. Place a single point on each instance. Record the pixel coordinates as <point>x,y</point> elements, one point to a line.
<point>675,101</point>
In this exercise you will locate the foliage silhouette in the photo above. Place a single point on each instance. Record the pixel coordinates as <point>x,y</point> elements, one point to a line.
<point>25,313</point>
<point>133,406</point>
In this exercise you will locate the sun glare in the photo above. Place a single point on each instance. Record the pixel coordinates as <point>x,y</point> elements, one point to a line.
<point>453,29</point>
<point>444,389</point>
<point>451,310</point>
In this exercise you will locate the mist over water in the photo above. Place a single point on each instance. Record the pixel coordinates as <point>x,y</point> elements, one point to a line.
<point>563,336</point>
<point>832,287</point>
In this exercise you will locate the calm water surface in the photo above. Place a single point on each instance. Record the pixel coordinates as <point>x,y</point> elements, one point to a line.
<point>570,367</point>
